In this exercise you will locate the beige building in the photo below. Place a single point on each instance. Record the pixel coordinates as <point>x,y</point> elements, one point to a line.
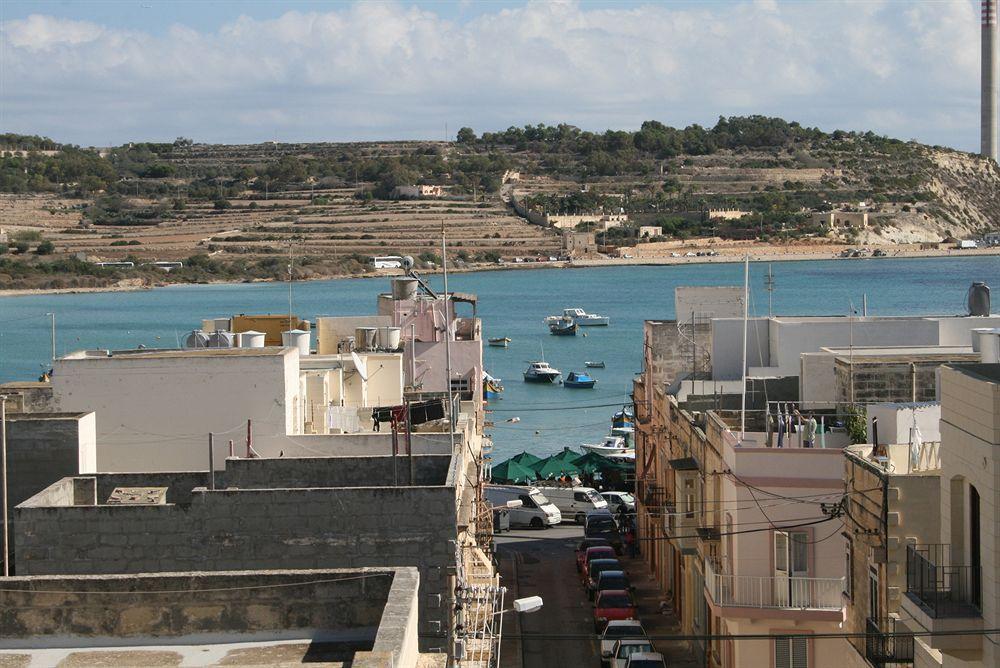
<point>953,582</point>
<point>578,243</point>
<point>650,231</point>
<point>418,191</point>
<point>600,222</point>
<point>841,220</point>
<point>727,214</point>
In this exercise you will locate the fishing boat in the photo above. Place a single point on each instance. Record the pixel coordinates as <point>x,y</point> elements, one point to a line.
<point>492,387</point>
<point>628,433</point>
<point>581,318</point>
<point>502,342</point>
<point>623,418</point>
<point>594,365</point>
<point>541,372</point>
<point>612,445</point>
<point>563,327</point>
<point>579,380</point>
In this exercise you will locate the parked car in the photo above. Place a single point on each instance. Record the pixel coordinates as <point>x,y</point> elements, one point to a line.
<point>593,553</point>
<point>614,580</point>
<point>613,604</point>
<point>575,502</point>
<point>626,647</point>
<point>535,510</point>
<point>585,544</point>
<point>601,524</point>
<point>619,629</point>
<point>646,660</point>
<point>594,570</point>
<point>617,501</point>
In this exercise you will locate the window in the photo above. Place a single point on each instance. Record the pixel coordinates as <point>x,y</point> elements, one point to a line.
<point>526,501</point>
<point>874,609</point>
<point>849,569</point>
<point>791,652</point>
<point>580,496</point>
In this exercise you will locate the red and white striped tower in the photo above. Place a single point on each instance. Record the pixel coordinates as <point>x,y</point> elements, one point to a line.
<point>990,80</point>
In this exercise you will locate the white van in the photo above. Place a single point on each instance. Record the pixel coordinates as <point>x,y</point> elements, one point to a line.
<point>535,510</point>
<point>575,502</point>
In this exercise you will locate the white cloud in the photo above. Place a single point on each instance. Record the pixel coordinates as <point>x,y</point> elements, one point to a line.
<point>378,70</point>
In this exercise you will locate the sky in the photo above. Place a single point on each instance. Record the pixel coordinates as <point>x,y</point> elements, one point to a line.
<point>105,73</point>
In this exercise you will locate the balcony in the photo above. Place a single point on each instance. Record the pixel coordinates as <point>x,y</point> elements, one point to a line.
<point>777,593</point>
<point>882,646</point>
<point>942,597</point>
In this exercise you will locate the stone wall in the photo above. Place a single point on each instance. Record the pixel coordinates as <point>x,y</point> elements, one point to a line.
<point>670,353</point>
<point>252,530</point>
<point>881,382</point>
<point>336,471</point>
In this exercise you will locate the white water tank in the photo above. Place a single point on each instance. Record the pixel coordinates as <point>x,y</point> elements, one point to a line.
<point>296,338</point>
<point>404,288</point>
<point>196,339</point>
<point>989,345</point>
<point>252,339</point>
<point>365,338</point>
<point>389,338</point>
<point>221,339</point>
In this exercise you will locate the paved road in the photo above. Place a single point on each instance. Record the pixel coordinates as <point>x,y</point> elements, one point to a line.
<point>542,563</point>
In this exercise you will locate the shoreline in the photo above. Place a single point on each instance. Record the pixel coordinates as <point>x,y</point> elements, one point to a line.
<point>756,255</point>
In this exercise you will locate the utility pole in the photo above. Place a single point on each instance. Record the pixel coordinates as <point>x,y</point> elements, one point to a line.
<point>769,284</point>
<point>3,474</point>
<point>447,337</point>
<point>290,263</point>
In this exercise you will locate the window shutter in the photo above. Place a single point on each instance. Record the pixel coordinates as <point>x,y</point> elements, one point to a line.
<point>800,652</point>
<point>782,653</point>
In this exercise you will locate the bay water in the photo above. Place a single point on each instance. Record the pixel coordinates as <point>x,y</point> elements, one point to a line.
<point>513,303</point>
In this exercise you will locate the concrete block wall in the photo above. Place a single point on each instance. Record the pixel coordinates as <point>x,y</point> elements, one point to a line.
<point>368,604</point>
<point>336,471</point>
<point>255,529</point>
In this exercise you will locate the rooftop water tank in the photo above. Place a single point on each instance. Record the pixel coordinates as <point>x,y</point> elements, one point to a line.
<point>296,338</point>
<point>196,339</point>
<point>365,338</point>
<point>979,299</point>
<point>989,346</point>
<point>221,339</point>
<point>404,288</point>
<point>389,338</point>
<point>346,345</point>
<point>252,339</point>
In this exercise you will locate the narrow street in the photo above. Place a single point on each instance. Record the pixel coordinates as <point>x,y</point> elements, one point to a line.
<point>542,563</point>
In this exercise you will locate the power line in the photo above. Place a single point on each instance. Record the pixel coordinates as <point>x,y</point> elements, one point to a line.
<point>847,635</point>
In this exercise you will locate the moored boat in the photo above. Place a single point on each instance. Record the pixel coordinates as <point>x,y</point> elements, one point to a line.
<point>612,445</point>
<point>581,318</point>
<point>623,418</point>
<point>501,342</point>
<point>563,327</point>
<point>594,365</point>
<point>579,380</point>
<point>541,372</point>
<point>492,387</point>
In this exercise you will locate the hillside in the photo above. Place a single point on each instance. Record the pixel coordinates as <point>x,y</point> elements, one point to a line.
<point>231,211</point>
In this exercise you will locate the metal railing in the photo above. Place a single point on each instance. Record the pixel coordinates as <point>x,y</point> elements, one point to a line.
<point>752,591</point>
<point>882,646</point>
<point>939,587</point>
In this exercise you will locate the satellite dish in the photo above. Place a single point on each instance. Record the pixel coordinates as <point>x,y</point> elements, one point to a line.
<point>407,262</point>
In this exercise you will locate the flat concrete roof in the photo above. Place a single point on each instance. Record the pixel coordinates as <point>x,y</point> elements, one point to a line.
<point>25,385</point>
<point>179,353</point>
<point>989,372</point>
<point>13,417</point>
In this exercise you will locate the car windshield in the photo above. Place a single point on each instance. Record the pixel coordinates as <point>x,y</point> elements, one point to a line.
<point>613,582</point>
<point>614,601</point>
<point>539,498</point>
<point>592,542</point>
<point>627,498</point>
<point>633,648</point>
<point>623,631</point>
<point>602,524</point>
<point>594,496</point>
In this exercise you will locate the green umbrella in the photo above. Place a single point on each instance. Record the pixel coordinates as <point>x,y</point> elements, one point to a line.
<point>554,467</point>
<point>511,472</point>
<point>591,462</point>
<point>567,455</point>
<point>526,459</point>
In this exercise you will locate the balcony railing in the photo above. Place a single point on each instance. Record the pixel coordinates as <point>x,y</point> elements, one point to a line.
<point>939,587</point>
<point>882,646</point>
<point>751,591</point>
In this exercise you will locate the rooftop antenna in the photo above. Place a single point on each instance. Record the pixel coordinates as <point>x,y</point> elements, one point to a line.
<point>291,261</point>
<point>746,316</point>
<point>769,285</point>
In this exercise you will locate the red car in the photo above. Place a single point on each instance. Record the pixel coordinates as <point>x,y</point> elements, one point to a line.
<point>591,553</point>
<point>612,604</point>
<point>581,550</point>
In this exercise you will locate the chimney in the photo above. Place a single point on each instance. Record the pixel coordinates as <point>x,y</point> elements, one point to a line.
<point>990,79</point>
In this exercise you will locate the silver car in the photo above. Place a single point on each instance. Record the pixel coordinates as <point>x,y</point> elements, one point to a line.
<point>618,629</point>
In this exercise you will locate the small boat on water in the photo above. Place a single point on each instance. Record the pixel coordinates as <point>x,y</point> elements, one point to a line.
<point>623,418</point>
<point>502,342</point>
<point>581,318</point>
<point>492,387</point>
<point>541,372</point>
<point>612,445</point>
<point>563,327</point>
<point>579,380</point>
<point>594,365</point>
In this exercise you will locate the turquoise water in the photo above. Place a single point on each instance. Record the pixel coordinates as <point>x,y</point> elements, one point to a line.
<point>511,303</point>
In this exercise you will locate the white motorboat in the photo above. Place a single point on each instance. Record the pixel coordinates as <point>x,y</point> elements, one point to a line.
<point>581,318</point>
<point>541,372</point>
<point>611,446</point>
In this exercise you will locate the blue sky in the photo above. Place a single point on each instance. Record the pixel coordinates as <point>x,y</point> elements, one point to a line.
<point>96,73</point>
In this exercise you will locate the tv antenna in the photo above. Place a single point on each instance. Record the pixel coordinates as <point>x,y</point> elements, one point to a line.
<point>769,286</point>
